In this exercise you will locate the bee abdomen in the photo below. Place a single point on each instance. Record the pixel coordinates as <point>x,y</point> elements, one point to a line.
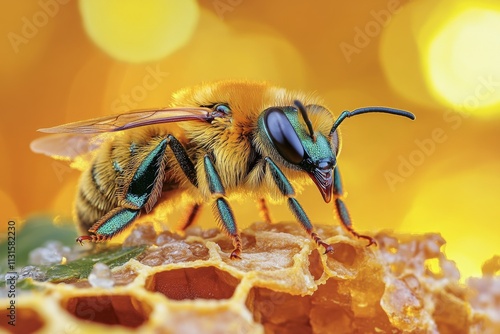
<point>96,194</point>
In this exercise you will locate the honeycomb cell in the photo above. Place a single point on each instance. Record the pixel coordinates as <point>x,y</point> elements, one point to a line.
<point>120,310</point>
<point>27,320</point>
<point>354,303</point>
<point>347,259</point>
<point>315,265</point>
<point>344,253</point>
<point>193,283</point>
<point>280,312</point>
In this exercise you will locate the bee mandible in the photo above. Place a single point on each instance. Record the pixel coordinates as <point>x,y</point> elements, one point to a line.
<point>216,141</point>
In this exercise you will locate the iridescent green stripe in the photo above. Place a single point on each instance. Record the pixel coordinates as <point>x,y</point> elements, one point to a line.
<point>118,222</point>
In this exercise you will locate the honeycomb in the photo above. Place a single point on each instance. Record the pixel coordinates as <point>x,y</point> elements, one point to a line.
<point>282,284</point>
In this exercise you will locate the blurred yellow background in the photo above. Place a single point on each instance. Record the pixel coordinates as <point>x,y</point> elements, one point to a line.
<point>64,61</point>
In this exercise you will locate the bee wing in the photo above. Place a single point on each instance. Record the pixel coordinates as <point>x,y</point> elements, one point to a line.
<point>65,146</point>
<point>133,119</point>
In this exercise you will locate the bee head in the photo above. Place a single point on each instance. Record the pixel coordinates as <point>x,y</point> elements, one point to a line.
<point>298,146</point>
<point>290,133</point>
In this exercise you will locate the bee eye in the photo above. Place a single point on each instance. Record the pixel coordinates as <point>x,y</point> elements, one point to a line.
<point>283,135</point>
<point>222,108</point>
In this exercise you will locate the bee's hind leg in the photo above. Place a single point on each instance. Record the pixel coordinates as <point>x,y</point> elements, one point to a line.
<point>139,191</point>
<point>110,224</point>
<point>264,211</point>
<point>342,211</point>
<point>191,217</point>
<point>222,210</point>
<point>287,190</point>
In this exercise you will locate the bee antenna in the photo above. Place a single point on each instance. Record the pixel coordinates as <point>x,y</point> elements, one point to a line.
<point>385,110</point>
<point>303,112</point>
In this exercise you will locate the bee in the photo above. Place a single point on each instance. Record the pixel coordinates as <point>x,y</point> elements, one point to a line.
<point>216,140</point>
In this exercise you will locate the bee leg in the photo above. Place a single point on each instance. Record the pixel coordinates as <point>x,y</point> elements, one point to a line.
<point>140,191</point>
<point>222,211</point>
<point>189,170</point>
<point>182,158</point>
<point>110,224</point>
<point>191,217</point>
<point>264,211</point>
<point>342,211</point>
<point>287,190</point>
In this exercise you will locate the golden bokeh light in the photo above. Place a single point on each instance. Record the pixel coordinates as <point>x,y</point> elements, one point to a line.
<point>400,55</point>
<point>463,67</point>
<point>261,53</point>
<point>138,31</point>
<point>459,206</point>
<point>453,49</point>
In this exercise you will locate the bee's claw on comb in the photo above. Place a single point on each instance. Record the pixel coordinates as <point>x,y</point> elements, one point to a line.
<point>328,248</point>
<point>371,241</point>
<point>82,238</point>
<point>235,254</point>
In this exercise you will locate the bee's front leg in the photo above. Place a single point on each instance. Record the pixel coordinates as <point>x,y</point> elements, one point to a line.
<point>342,211</point>
<point>222,210</point>
<point>287,190</point>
